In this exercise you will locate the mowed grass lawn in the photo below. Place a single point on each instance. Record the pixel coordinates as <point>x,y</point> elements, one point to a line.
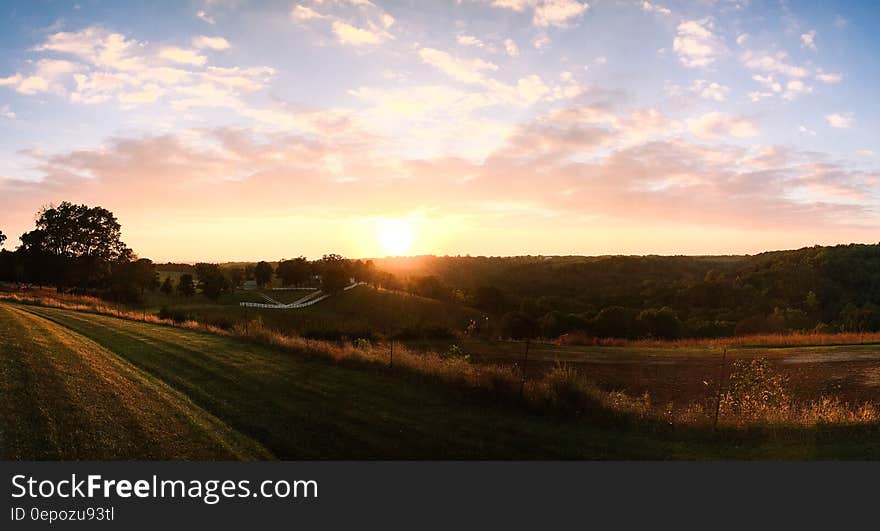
<point>83,386</point>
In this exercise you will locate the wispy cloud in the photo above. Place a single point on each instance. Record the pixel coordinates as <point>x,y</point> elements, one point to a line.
<point>840,120</point>
<point>696,44</point>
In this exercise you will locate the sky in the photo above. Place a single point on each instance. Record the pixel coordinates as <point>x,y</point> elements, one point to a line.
<point>232,130</point>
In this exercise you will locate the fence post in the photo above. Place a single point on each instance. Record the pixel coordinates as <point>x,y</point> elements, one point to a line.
<point>718,396</point>
<point>522,383</point>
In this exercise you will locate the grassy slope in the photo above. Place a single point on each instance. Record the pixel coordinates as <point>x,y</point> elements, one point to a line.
<point>66,397</point>
<point>356,313</point>
<point>300,407</point>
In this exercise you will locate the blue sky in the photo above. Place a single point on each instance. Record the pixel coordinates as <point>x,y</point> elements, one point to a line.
<point>481,126</point>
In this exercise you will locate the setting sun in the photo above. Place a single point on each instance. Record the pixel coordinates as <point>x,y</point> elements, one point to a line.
<point>395,236</point>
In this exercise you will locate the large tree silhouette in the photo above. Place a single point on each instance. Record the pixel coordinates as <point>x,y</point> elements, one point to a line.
<point>74,245</point>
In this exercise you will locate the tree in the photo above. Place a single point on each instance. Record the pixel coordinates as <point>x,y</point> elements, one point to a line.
<point>334,273</point>
<point>2,238</point>
<point>864,319</point>
<point>167,286</point>
<point>212,281</point>
<point>263,273</point>
<point>236,276</point>
<point>186,286</point>
<point>491,298</point>
<point>293,272</point>
<point>80,243</point>
<point>129,280</point>
<point>518,325</point>
<point>615,321</point>
<point>431,287</point>
<point>364,271</point>
<point>661,324</point>
<point>555,323</point>
<point>8,265</point>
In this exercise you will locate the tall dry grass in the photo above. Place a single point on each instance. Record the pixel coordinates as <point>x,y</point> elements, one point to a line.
<point>754,394</point>
<point>779,340</point>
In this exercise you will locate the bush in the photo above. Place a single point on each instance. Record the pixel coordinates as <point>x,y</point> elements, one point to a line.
<point>567,391</point>
<point>363,344</point>
<point>178,316</point>
<point>454,351</point>
<point>755,390</point>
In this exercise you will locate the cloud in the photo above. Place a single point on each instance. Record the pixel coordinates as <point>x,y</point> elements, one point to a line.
<point>6,112</point>
<point>201,14</point>
<point>105,66</point>
<point>300,12</point>
<point>212,43</point>
<point>558,13</point>
<point>773,63</point>
<point>805,130</point>
<point>718,124</point>
<point>547,13</point>
<point>96,46</point>
<point>775,68</point>
<point>710,90</point>
<point>182,56</point>
<point>830,77</point>
<point>147,94</point>
<point>648,6</point>
<point>32,85</point>
<point>588,175</point>
<point>469,40</point>
<point>358,23</point>
<point>742,38</point>
<point>795,88</point>
<point>541,41</point>
<point>840,121</point>
<point>808,40</point>
<point>354,36</point>
<point>465,70</point>
<point>696,44</point>
<point>516,5</point>
<point>45,77</point>
<point>511,48</point>
<point>10,80</point>
<point>526,91</point>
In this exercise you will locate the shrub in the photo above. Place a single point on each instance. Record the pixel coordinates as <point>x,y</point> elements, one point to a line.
<point>454,351</point>
<point>363,344</point>
<point>178,316</point>
<point>755,390</point>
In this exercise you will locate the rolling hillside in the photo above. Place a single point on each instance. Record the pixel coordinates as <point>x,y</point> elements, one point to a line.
<point>66,397</point>
<point>83,386</point>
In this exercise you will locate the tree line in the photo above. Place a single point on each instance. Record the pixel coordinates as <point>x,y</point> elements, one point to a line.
<point>824,289</point>
<point>79,249</point>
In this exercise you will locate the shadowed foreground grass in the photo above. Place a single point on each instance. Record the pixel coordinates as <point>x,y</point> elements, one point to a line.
<point>66,397</point>
<point>298,406</point>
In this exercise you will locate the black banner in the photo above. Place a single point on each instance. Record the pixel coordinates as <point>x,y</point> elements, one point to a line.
<point>450,495</point>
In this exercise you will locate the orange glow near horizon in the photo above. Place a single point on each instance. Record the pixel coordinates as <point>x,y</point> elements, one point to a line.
<point>395,236</point>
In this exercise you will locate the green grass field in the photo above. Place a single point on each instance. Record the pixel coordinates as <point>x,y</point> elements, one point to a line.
<point>84,386</point>
<point>360,312</point>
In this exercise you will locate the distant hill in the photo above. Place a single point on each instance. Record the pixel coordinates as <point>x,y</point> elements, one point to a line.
<point>833,288</point>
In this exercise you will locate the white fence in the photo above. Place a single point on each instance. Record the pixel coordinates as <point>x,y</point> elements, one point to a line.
<point>310,299</point>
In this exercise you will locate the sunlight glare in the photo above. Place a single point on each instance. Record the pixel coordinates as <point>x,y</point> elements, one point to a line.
<point>395,236</point>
